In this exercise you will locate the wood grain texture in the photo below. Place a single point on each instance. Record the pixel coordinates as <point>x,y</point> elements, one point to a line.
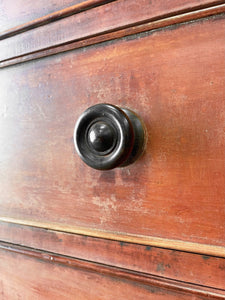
<point>167,263</point>
<point>153,25</point>
<point>176,190</point>
<point>95,22</point>
<point>45,275</point>
<point>205,249</point>
<point>15,13</point>
<point>52,17</point>
<point>14,18</point>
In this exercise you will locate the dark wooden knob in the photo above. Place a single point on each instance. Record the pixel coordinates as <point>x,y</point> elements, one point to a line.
<point>107,136</point>
<point>102,137</point>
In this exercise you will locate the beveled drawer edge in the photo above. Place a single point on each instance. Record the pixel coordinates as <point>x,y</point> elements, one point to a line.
<point>52,17</point>
<point>193,247</point>
<point>116,33</point>
<point>169,263</point>
<point>146,279</point>
<point>80,7</point>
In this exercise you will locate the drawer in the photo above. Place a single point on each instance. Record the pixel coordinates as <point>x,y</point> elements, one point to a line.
<point>170,268</point>
<point>173,79</point>
<point>45,276</point>
<point>151,230</point>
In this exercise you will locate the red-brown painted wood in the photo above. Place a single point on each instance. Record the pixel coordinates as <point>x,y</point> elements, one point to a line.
<point>174,80</point>
<point>91,23</point>
<point>40,275</point>
<point>19,14</point>
<point>14,13</point>
<point>173,77</point>
<point>115,34</point>
<point>54,16</point>
<point>187,267</point>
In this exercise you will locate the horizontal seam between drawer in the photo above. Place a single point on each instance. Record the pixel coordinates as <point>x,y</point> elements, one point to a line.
<point>179,245</point>
<point>55,16</point>
<point>90,4</point>
<point>116,34</point>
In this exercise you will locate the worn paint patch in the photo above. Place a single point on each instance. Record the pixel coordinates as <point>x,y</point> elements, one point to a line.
<point>205,257</point>
<point>107,206</point>
<point>122,244</point>
<point>160,267</point>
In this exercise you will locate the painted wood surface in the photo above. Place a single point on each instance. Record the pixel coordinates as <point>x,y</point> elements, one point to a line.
<point>39,275</point>
<point>174,244</point>
<point>182,266</point>
<point>115,34</point>
<point>18,16</point>
<point>14,13</point>
<point>96,22</point>
<point>79,6</point>
<point>86,234</point>
<point>174,79</point>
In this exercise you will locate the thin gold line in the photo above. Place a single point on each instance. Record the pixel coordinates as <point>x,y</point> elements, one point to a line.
<point>193,247</point>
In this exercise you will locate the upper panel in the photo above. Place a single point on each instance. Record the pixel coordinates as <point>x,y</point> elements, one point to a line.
<point>91,19</point>
<point>21,12</point>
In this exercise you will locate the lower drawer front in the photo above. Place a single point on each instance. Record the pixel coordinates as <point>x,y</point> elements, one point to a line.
<point>198,269</point>
<point>27,274</point>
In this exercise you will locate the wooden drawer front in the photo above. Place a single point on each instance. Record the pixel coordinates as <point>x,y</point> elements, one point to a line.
<point>201,270</point>
<point>174,79</point>
<point>38,275</point>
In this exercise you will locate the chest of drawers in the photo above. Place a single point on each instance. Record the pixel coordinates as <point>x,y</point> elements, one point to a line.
<point>150,230</point>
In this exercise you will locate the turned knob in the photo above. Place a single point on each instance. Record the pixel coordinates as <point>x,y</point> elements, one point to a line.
<point>107,136</point>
